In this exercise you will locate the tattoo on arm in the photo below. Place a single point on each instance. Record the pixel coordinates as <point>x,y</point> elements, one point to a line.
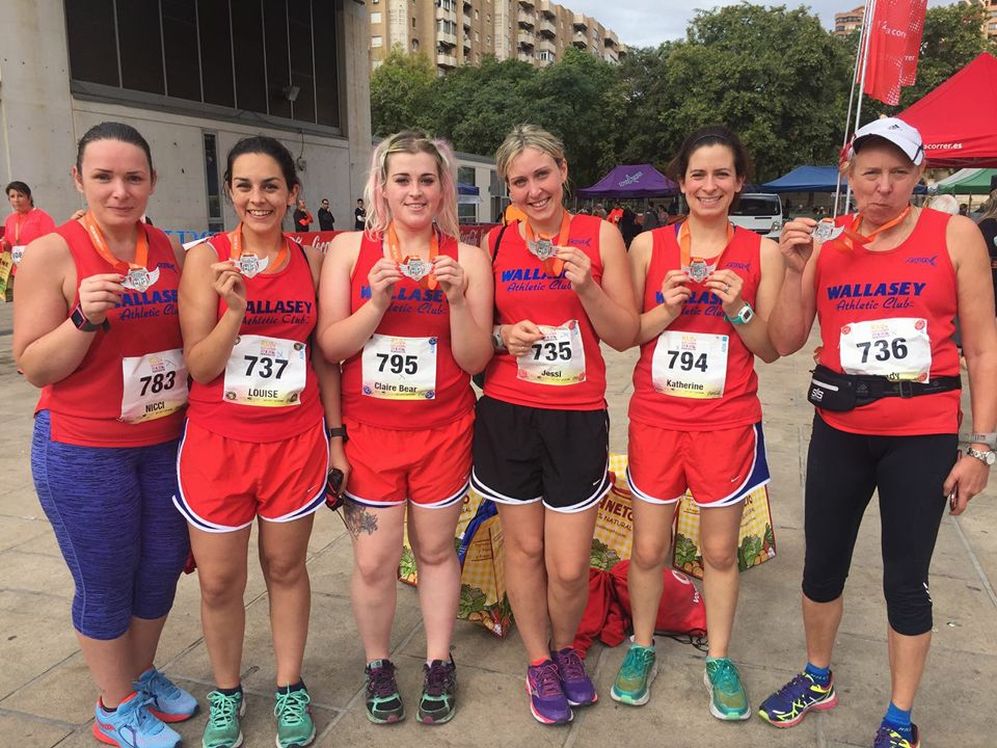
<point>358,519</point>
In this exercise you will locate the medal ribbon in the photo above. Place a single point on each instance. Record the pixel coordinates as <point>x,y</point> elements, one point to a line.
<point>852,236</point>
<point>552,265</point>
<point>17,227</point>
<point>685,247</point>
<point>394,246</point>
<point>235,247</point>
<point>100,244</point>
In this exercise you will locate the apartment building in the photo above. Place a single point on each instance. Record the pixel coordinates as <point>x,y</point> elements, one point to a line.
<point>848,21</point>
<point>461,32</point>
<point>990,23</point>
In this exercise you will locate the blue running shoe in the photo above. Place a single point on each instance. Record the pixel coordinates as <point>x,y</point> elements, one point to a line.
<point>577,685</point>
<point>888,737</point>
<point>169,702</point>
<point>131,725</point>
<point>548,704</point>
<point>787,706</point>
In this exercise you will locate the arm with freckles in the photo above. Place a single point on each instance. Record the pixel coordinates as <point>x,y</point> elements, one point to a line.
<point>795,306</point>
<point>979,344</point>
<point>208,339</point>
<point>610,306</point>
<point>727,285</point>
<point>471,310</point>
<point>339,333</point>
<point>47,346</point>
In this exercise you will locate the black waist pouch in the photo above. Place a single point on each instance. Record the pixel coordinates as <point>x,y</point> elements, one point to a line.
<point>833,391</point>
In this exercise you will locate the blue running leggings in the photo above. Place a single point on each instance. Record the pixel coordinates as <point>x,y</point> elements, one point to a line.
<point>113,515</point>
<point>843,470</point>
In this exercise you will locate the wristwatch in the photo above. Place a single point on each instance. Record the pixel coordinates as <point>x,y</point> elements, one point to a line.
<point>989,439</point>
<point>497,341</point>
<point>81,322</point>
<point>987,458</point>
<point>337,431</point>
<point>744,315</point>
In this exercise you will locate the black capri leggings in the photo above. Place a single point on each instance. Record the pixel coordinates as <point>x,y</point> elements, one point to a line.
<point>843,470</point>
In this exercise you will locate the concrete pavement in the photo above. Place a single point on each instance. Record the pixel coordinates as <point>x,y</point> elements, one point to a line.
<point>46,697</point>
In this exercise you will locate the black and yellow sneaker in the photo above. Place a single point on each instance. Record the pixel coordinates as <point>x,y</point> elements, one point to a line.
<point>439,692</point>
<point>383,702</point>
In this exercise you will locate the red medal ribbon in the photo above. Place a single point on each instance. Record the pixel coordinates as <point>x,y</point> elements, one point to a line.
<point>552,265</point>
<point>427,281</point>
<point>685,246</point>
<point>100,244</point>
<point>235,247</point>
<point>852,236</point>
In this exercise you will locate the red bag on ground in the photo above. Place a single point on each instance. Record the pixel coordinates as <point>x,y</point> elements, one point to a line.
<point>681,610</point>
<point>604,618</point>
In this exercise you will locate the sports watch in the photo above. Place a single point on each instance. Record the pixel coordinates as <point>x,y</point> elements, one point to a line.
<point>744,315</point>
<point>81,322</point>
<point>988,458</point>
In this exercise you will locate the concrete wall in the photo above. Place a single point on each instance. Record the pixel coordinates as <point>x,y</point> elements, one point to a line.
<point>41,122</point>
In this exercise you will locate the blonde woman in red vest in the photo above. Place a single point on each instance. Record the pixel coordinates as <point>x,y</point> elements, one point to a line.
<point>886,285</point>
<point>707,288</point>
<point>541,441</point>
<point>407,308</point>
<point>96,328</point>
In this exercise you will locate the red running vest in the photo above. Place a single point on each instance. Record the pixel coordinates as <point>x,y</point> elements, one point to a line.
<point>524,291</point>
<point>414,312</point>
<point>914,280</point>
<point>702,313</point>
<point>85,407</point>
<point>281,305</point>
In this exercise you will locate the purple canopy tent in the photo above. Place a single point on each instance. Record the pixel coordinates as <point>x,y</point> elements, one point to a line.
<point>631,181</point>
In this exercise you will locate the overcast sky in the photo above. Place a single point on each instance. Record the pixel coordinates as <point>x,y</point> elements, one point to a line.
<point>647,23</point>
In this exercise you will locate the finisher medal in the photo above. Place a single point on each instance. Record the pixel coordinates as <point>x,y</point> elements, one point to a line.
<point>699,270</point>
<point>415,268</point>
<point>251,265</point>
<point>825,231</point>
<point>140,279</point>
<point>542,248</point>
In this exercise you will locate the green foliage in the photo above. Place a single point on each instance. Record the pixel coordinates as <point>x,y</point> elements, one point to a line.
<point>602,556</point>
<point>773,74</point>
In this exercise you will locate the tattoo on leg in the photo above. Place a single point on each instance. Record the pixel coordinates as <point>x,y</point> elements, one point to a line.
<point>359,519</point>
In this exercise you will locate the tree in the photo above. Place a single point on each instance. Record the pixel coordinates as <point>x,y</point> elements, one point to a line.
<point>399,90</point>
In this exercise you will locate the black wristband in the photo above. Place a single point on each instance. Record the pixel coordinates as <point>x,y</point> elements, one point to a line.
<point>337,431</point>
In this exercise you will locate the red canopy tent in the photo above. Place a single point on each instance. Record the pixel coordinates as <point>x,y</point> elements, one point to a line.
<point>958,119</point>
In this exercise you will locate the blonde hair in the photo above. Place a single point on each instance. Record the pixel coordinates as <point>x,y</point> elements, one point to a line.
<point>523,137</point>
<point>990,206</point>
<point>412,142</point>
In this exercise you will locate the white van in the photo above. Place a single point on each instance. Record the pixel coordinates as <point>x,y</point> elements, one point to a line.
<point>760,212</point>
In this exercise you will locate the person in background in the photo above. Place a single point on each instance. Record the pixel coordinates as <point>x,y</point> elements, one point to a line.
<point>25,222</point>
<point>326,221</point>
<point>887,397</point>
<point>103,455</point>
<point>988,227</point>
<point>599,210</point>
<point>945,204</point>
<point>359,216</point>
<point>302,218</point>
<point>650,218</point>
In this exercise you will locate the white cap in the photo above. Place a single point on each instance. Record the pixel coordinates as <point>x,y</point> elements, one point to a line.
<point>896,131</point>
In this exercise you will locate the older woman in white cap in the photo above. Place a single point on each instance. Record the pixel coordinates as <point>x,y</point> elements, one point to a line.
<point>886,285</point>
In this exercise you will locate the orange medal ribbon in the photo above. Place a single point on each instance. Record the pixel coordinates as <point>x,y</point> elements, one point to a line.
<point>697,267</point>
<point>544,246</point>
<point>100,244</point>
<point>412,266</point>
<point>251,264</point>
<point>852,236</point>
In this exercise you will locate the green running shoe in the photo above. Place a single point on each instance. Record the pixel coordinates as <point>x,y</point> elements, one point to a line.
<point>439,692</point>
<point>384,703</point>
<point>295,728</point>
<point>222,730</point>
<point>633,681</point>
<point>728,699</point>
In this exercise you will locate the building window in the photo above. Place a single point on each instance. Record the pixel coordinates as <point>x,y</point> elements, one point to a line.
<point>215,221</point>
<point>375,17</point>
<point>245,56</point>
<point>376,41</point>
